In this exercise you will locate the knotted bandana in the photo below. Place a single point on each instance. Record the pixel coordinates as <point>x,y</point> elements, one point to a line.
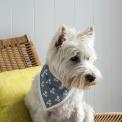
<point>51,90</point>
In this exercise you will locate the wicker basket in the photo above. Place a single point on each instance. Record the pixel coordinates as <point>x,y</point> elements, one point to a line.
<point>17,53</point>
<point>108,117</point>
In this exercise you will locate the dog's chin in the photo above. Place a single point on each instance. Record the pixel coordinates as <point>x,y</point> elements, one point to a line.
<point>90,84</point>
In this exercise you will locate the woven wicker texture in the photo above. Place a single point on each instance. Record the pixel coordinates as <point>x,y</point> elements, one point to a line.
<point>108,117</point>
<point>17,53</point>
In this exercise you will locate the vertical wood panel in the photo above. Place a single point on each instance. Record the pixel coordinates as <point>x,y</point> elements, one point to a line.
<point>103,46</point>
<point>84,19</point>
<point>22,17</point>
<point>84,13</point>
<point>44,25</point>
<point>64,12</point>
<point>116,54</point>
<point>5,18</point>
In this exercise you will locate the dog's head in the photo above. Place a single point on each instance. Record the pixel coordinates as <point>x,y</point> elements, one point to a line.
<point>71,56</point>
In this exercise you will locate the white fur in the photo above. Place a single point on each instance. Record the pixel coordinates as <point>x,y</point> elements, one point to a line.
<point>74,109</point>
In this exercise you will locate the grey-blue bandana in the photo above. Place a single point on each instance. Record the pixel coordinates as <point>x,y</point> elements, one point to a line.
<point>52,92</point>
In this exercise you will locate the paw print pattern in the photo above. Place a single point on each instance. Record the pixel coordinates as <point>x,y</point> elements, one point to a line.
<point>52,91</point>
<point>57,99</point>
<point>49,102</point>
<point>65,93</point>
<point>56,80</point>
<point>48,81</point>
<point>51,88</point>
<point>44,73</point>
<point>45,94</point>
<point>42,84</point>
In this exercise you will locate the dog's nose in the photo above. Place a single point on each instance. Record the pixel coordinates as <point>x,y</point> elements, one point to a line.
<point>90,78</point>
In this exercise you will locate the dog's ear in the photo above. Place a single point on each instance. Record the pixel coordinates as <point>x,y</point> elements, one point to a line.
<point>61,36</point>
<point>87,35</point>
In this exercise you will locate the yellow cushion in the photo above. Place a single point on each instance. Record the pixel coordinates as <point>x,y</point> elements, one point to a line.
<point>13,87</point>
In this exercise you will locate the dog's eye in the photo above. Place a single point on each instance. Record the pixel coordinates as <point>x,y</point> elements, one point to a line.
<point>87,58</point>
<point>75,59</point>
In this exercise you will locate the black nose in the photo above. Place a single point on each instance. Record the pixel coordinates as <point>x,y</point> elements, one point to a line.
<point>90,78</point>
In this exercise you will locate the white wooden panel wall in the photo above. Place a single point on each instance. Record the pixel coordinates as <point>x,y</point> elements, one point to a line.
<point>5,18</point>
<point>40,18</point>
<point>116,55</point>
<point>102,20</point>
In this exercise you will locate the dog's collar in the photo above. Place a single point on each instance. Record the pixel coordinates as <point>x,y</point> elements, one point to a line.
<point>51,89</point>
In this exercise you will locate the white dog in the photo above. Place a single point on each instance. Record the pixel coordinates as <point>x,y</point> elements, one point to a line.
<point>57,91</point>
